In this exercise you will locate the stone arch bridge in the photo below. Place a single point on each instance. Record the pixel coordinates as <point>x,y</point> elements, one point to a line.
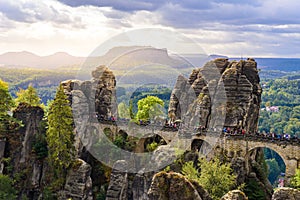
<point>234,145</point>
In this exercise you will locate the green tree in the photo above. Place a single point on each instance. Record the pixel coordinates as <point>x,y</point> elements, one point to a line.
<point>215,177</point>
<point>295,181</point>
<point>6,188</point>
<point>150,107</point>
<point>123,111</point>
<point>7,122</point>
<point>60,136</point>
<point>6,101</point>
<point>29,96</point>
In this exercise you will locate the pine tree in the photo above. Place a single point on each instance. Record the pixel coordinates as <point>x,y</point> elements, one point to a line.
<point>60,136</point>
<point>29,96</point>
<point>6,101</point>
<point>6,104</point>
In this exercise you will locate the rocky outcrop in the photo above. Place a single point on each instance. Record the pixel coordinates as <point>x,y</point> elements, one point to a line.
<point>31,118</point>
<point>78,182</point>
<point>98,95</point>
<point>17,149</point>
<point>286,193</point>
<point>141,184</point>
<point>219,88</point>
<point>118,186</point>
<point>175,186</point>
<point>234,195</point>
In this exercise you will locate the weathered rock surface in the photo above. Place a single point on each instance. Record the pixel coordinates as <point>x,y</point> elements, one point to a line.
<point>17,148</point>
<point>118,186</point>
<point>98,95</point>
<point>31,117</point>
<point>141,184</point>
<point>219,88</point>
<point>78,182</point>
<point>234,195</point>
<point>286,194</point>
<point>175,186</point>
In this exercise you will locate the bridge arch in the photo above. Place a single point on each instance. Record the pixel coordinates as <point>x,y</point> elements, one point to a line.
<point>276,169</point>
<point>201,146</point>
<point>148,139</point>
<point>289,154</point>
<point>123,133</point>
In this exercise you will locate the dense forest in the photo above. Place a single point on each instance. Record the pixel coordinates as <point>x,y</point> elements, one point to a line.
<point>280,111</point>
<point>45,81</point>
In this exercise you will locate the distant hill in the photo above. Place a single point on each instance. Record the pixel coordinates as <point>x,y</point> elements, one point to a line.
<point>30,60</point>
<point>282,64</point>
<point>129,57</point>
<point>279,64</point>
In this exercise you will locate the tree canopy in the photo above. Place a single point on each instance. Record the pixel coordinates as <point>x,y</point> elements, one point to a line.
<point>150,107</point>
<point>6,101</point>
<point>295,181</point>
<point>282,94</point>
<point>214,176</point>
<point>60,136</point>
<point>29,96</point>
<point>6,188</point>
<point>123,111</point>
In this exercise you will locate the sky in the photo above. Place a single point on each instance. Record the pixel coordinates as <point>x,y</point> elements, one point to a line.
<point>247,28</point>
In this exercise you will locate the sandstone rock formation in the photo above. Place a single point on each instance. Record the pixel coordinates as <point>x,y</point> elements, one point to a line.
<point>118,186</point>
<point>141,184</point>
<point>219,88</point>
<point>234,195</point>
<point>17,149</point>
<point>31,117</point>
<point>98,94</point>
<point>78,183</point>
<point>175,186</point>
<point>286,194</point>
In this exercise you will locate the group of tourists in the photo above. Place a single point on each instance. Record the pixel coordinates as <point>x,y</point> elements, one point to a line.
<point>273,136</point>
<point>228,131</point>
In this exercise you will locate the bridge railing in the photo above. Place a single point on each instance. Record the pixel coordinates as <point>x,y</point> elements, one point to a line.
<point>124,122</point>
<point>200,131</point>
<point>259,137</point>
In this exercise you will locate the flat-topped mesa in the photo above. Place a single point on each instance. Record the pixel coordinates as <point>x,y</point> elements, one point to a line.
<point>97,96</point>
<point>230,87</point>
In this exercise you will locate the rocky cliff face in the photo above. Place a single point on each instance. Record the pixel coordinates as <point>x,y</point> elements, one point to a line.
<point>97,96</point>
<point>19,159</point>
<point>78,183</point>
<point>220,88</point>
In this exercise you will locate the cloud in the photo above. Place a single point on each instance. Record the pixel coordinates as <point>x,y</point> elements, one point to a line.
<point>129,5</point>
<point>225,27</point>
<point>35,11</point>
